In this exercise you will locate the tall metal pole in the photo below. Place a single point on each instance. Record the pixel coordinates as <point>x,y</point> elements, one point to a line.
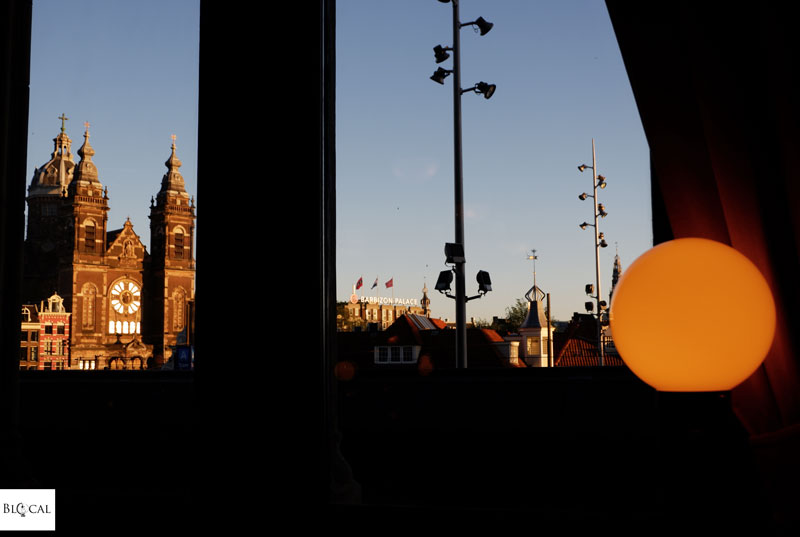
<point>550,357</point>
<point>597,257</point>
<point>461,294</point>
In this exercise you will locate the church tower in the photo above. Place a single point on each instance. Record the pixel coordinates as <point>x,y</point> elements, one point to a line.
<point>170,289</point>
<point>47,237</point>
<point>426,302</point>
<point>82,274</point>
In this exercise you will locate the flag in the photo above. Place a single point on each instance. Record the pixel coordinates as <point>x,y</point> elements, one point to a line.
<point>360,282</point>
<point>374,285</point>
<point>390,283</point>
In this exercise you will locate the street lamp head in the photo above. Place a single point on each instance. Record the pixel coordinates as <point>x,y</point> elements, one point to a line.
<point>440,53</point>
<point>486,89</point>
<point>440,74</point>
<point>484,282</point>
<point>583,167</point>
<point>601,181</point>
<point>603,243</point>
<point>583,196</point>
<point>443,283</point>
<point>454,252</point>
<point>583,226</point>
<point>483,25</point>
<point>601,210</point>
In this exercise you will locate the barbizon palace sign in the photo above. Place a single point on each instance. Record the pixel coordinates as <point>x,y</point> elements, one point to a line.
<point>389,301</point>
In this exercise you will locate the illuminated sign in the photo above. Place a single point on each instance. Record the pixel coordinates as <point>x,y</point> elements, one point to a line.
<point>389,301</point>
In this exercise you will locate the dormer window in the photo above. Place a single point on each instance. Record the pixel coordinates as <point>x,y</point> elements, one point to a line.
<point>397,354</point>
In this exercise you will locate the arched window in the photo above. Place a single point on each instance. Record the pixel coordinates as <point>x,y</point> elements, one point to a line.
<point>179,308</point>
<point>89,293</point>
<point>90,235</point>
<point>178,238</point>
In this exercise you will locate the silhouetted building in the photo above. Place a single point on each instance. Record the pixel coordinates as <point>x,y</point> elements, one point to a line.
<point>577,346</point>
<point>422,343</point>
<point>127,305</point>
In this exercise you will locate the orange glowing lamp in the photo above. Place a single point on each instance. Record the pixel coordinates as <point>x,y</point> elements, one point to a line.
<point>692,315</point>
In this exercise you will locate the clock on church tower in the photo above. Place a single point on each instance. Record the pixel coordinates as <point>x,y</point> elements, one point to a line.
<point>125,300</point>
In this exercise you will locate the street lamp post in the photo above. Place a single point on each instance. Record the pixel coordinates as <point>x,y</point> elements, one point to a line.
<point>458,189</point>
<point>599,242</point>
<point>487,90</point>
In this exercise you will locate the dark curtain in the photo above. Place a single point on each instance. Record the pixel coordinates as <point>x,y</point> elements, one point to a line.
<point>717,92</point>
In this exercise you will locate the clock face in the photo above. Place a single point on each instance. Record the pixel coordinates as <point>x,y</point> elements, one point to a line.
<point>125,297</point>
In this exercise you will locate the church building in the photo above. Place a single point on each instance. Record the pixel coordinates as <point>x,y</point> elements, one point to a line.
<point>128,306</point>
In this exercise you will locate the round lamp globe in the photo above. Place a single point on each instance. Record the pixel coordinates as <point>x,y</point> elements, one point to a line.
<point>692,315</point>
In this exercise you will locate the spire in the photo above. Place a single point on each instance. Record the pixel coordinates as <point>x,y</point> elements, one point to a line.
<point>172,184</point>
<point>536,317</point>
<point>615,274</point>
<point>173,163</point>
<point>85,172</point>
<point>538,294</point>
<point>426,302</point>
<point>86,152</point>
<point>617,271</point>
<point>63,146</point>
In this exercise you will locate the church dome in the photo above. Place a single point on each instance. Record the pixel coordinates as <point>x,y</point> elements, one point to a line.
<point>53,177</point>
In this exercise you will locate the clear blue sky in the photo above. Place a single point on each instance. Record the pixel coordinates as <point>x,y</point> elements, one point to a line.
<point>131,70</point>
<point>560,83</point>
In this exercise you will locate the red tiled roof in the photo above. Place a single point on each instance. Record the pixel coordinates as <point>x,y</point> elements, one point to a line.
<point>491,335</point>
<point>580,352</point>
<point>439,323</point>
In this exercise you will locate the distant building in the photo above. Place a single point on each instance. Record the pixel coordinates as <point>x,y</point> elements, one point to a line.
<point>382,312</point>
<point>54,335</point>
<point>577,345</point>
<point>29,337</point>
<point>534,335</point>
